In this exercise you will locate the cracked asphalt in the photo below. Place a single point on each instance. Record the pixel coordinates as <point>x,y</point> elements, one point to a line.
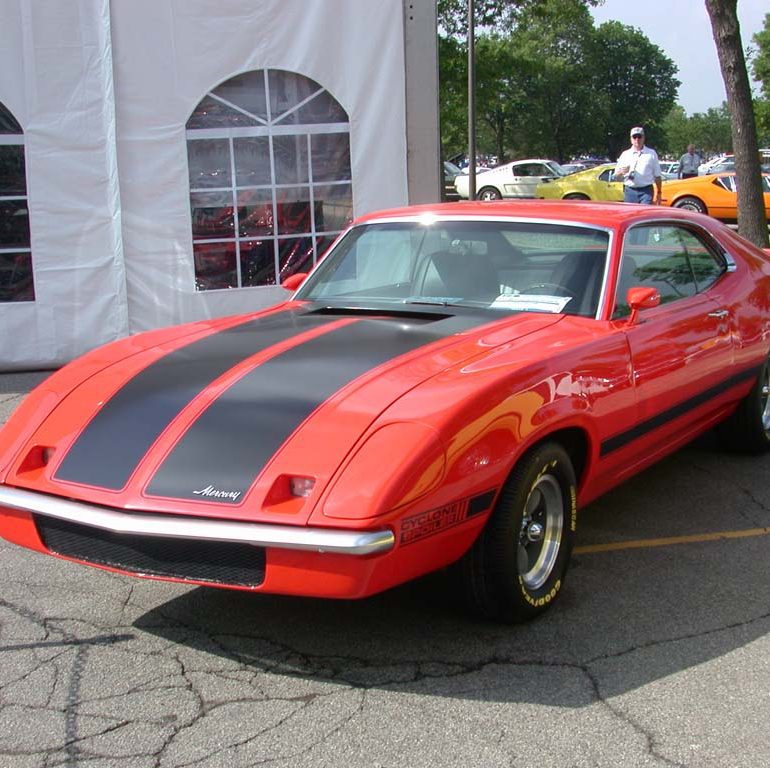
<point>654,655</point>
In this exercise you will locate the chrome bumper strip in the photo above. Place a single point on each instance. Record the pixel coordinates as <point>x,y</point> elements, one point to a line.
<point>173,526</point>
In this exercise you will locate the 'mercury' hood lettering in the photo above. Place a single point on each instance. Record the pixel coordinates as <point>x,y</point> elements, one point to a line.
<point>211,492</point>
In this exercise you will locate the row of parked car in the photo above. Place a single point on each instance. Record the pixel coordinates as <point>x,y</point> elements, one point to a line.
<point>714,193</point>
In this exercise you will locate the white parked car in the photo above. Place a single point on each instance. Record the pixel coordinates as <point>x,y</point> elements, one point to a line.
<point>516,179</point>
<point>709,166</point>
<point>669,169</point>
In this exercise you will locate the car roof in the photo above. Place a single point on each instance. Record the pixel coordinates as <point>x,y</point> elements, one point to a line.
<point>603,214</point>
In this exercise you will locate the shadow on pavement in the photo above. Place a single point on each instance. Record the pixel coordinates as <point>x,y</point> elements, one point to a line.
<point>626,618</point>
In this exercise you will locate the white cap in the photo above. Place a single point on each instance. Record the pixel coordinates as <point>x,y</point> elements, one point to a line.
<point>636,131</point>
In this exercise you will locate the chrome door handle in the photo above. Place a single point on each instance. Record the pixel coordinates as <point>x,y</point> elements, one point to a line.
<point>719,313</point>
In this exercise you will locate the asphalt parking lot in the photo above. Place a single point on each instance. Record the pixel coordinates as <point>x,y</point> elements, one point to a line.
<point>658,653</point>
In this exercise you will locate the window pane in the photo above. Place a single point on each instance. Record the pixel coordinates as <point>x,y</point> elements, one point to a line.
<point>212,214</point>
<point>14,224</point>
<point>706,267</point>
<point>246,91</point>
<point>294,211</point>
<point>331,157</point>
<point>323,244</point>
<point>658,259</point>
<point>295,255</point>
<point>211,113</point>
<point>12,177</point>
<point>322,108</point>
<point>334,207</point>
<point>255,212</point>
<point>16,277</point>
<point>214,266</point>
<point>258,262</point>
<point>209,161</point>
<point>8,123</point>
<point>252,161</point>
<point>290,159</point>
<point>287,89</point>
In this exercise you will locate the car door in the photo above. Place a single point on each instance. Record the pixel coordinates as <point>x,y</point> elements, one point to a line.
<point>681,351</point>
<point>721,198</point>
<point>606,187</point>
<point>525,178</point>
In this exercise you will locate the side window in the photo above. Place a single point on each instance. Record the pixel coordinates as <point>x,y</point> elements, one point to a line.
<point>606,175</point>
<point>655,256</point>
<point>707,266</point>
<point>726,182</point>
<point>16,280</point>
<point>529,169</point>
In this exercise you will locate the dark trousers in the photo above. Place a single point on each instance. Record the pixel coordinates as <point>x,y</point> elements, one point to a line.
<point>637,194</point>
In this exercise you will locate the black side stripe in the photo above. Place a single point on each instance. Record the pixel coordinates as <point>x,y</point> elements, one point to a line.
<point>224,451</point>
<point>624,438</point>
<point>119,435</point>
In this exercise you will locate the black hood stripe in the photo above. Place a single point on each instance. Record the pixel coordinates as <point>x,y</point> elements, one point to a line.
<point>224,451</point>
<point>120,434</point>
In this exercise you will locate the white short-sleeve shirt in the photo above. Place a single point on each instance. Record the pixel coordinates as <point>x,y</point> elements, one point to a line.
<point>643,163</point>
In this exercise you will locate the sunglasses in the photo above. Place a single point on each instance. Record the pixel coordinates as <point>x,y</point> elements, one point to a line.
<point>638,136</point>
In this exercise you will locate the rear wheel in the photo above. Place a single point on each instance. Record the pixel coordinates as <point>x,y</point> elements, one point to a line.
<point>748,429</point>
<point>516,567</point>
<point>691,204</point>
<point>489,193</point>
<point>576,196</point>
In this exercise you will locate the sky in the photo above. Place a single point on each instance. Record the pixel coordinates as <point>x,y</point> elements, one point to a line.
<point>682,30</point>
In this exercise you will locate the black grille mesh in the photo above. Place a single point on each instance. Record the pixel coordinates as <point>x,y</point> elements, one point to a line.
<point>208,561</point>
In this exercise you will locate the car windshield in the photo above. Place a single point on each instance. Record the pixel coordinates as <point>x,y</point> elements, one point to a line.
<point>497,265</point>
<point>558,169</point>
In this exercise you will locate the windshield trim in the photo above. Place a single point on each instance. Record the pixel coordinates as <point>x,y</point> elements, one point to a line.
<point>428,219</point>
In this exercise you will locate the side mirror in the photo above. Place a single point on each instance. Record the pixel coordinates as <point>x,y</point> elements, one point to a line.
<point>292,282</point>
<point>641,298</point>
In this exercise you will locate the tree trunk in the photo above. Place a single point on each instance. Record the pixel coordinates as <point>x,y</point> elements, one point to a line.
<point>752,221</point>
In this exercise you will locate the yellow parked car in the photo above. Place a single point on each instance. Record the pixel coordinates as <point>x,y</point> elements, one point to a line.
<point>592,184</point>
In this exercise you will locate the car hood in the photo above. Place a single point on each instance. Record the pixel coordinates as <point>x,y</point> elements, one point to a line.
<point>206,422</point>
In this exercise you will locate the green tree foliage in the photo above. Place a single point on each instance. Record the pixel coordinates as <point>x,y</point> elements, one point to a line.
<point>760,67</point>
<point>491,15</point>
<point>551,84</point>
<point>710,131</point>
<point>636,81</point>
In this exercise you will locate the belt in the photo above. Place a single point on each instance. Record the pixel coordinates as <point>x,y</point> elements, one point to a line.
<point>646,186</point>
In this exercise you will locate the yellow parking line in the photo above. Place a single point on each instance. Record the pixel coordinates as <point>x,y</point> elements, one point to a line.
<point>615,546</point>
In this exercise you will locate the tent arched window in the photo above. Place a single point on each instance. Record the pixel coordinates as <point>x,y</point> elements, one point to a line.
<point>16,280</point>
<point>270,178</point>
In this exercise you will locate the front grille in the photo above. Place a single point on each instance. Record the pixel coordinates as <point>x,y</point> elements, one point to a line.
<point>202,561</point>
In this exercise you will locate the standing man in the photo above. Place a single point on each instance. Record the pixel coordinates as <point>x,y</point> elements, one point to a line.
<point>689,162</point>
<point>639,169</point>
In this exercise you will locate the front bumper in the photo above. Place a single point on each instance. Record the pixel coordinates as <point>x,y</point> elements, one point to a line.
<point>359,543</point>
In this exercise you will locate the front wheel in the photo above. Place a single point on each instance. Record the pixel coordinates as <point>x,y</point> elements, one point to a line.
<point>489,193</point>
<point>748,429</point>
<point>690,204</point>
<point>516,568</point>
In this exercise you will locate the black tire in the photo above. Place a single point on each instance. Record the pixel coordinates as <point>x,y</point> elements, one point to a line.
<point>691,204</point>
<point>748,429</point>
<point>497,581</point>
<point>489,193</point>
<point>576,196</point>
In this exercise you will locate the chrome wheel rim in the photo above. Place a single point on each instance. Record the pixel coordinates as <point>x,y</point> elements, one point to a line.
<point>541,532</point>
<point>489,195</point>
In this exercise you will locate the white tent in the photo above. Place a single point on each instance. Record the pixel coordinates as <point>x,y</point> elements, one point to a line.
<point>171,160</point>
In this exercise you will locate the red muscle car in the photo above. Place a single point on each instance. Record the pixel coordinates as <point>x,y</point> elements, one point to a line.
<point>446,388</point>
